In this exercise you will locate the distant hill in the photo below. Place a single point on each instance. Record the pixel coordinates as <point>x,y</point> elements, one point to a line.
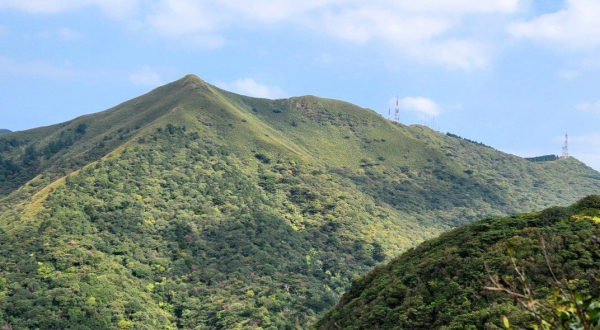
<point>439,284</point>
<point>3,131</point>
<point>194,207</point>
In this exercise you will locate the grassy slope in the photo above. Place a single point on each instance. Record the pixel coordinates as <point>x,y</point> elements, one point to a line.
<point>413,163</point>
<point>438,285</point>
<point>344,184</point>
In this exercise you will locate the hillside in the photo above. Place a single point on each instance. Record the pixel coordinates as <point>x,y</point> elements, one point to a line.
<point>3,131</point>
<point>439,285</point>
<point>192,206</point>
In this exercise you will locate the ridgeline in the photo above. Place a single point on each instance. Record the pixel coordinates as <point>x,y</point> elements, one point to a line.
<point>194,207</point>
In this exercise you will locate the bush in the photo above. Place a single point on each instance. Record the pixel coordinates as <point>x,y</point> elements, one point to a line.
<point>589,202</point>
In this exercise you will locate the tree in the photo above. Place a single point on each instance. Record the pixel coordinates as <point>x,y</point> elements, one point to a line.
<point>567,309</point>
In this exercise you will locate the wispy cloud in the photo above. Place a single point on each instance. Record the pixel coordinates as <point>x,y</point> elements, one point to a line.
<point>145,77</point>
<point>575,26</point>
<point>247,86</point>
<point>175,18</point>
<point>113,8</point>
<point>427,31</point>
<point>593,107</point>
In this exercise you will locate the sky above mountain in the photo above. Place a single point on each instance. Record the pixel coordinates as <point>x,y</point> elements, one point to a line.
<point>514,74</point>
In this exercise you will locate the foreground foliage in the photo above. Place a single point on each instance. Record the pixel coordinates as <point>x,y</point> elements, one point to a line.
<point>442,283</point>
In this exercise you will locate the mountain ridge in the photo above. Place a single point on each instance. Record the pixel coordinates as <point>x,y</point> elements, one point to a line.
<point>267,207</point>
<point>279,124</point>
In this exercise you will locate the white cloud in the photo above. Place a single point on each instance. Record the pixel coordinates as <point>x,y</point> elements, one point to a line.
<point>461,6</point>
<point>193,22</point>
<point>279,10</point>
<point>370,21</point>
<point>425,30</point>
<point>420,105</point>
<point>589,107</point>
<point>65,34</point>
<point>576,25</point>
<point>421,37</point>
<point>112,8</point>
<point>247,86</point>
<point>179,17</point>
<point>145,77</point>
<point>428,31</point>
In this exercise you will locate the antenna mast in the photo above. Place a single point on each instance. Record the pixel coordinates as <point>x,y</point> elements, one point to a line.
<point>565,153</point>
<point>397,110</point>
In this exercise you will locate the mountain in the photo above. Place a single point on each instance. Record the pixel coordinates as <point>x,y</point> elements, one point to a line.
<point>3,131</point>
<point>194,207</point>
<point>439,284</point>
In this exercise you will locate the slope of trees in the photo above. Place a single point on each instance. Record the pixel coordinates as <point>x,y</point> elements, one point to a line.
<point>186,238</point>
<point>442,283</point>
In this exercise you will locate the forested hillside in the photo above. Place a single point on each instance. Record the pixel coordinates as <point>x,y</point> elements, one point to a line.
<point>4,130</point>
<point>194,207</point>
<point>441,284</point>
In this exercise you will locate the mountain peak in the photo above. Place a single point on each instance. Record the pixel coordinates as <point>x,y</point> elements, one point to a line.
<point>191,82</point>
<point>192,77</point>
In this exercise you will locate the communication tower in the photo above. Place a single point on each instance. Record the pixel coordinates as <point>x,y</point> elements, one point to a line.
<point>397,110</point>
<point>565,153</point>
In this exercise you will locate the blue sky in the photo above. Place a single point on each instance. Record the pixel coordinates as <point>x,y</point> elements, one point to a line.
<point>514,74</point>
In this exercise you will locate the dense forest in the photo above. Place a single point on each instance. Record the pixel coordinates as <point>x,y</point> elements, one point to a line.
<point>546,158</point>
<point>164,218</point>
<point>192,207</point>
<point>442,283</point>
